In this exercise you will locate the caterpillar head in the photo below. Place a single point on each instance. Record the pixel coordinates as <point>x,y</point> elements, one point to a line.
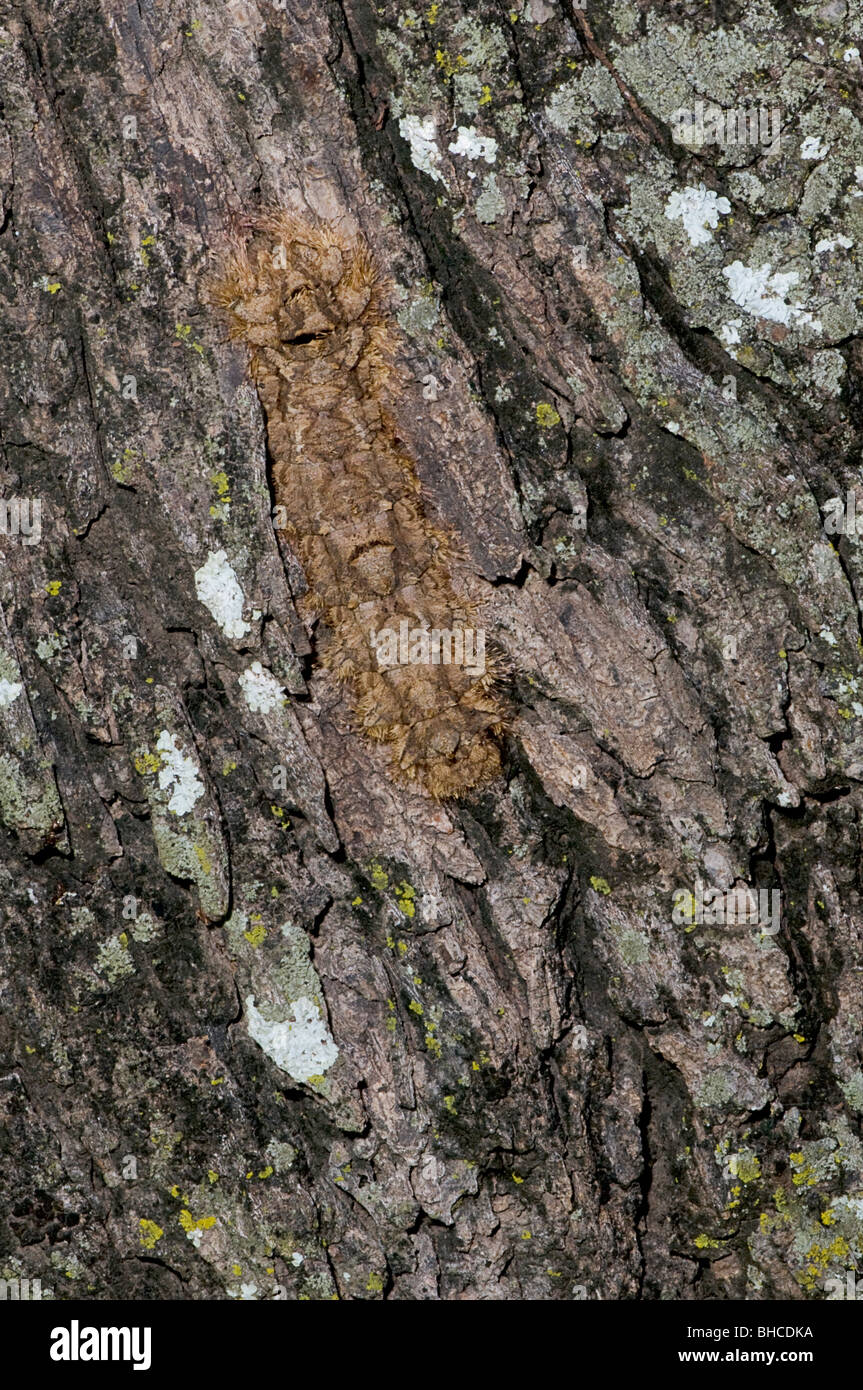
<point>305,292</point>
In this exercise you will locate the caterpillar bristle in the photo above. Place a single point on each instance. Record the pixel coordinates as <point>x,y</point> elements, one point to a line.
<point>313,306</point>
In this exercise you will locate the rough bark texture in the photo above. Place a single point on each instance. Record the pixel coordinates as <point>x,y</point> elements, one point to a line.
<point>630,381</point>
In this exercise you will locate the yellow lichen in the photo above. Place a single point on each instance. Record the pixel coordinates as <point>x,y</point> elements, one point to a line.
<point>379,876</point>
<point>150,1233</point>
<point>546,415</point>
<point>188,1222</point>
<point>405,896</point>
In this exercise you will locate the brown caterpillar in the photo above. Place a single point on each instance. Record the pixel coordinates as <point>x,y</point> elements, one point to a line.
<point>312,306</point>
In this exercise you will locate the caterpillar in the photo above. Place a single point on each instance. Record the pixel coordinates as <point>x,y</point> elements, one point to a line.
<point>312,305</point>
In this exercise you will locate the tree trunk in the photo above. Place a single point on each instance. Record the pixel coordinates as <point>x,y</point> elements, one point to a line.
<point>276,1024</point>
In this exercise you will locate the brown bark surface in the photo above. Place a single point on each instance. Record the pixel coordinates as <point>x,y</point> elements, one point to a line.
<point>628,375</point>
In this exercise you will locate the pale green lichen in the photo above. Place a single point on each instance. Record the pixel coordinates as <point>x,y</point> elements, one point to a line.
<point>491,204</point>
<point>716,1089</point>
<point>144,928</point>
<point>114,960</point>
<point>852,1090</point>
<point>281,1155</point>
<point>573,107</point>
<point>194,853</point>
<point>28,796</point>
<point>82,920</point>
<point>420,315</point>
<point>633,946</point>
<point>49,647</point>
<point>294,975</point>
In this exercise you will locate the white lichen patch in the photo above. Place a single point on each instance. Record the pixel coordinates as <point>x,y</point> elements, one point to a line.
<point>762,294</point>
<point>9,691</point>
<point>830,243</point>
<point>814,148</point>
<point>218,588</point>
<point>698,208</point>
<point>729,333</point>
<point>474,146</point>
<point>178,774</point>
<point>246,1293</point>
<point>261,691</point>
<point>420,132</point>
<point>301,1046</point>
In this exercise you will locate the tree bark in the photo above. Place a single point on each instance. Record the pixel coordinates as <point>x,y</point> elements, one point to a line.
<point>275,1025</point>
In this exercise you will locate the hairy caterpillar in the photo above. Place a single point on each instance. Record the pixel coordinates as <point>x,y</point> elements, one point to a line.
<point>311,304</point>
